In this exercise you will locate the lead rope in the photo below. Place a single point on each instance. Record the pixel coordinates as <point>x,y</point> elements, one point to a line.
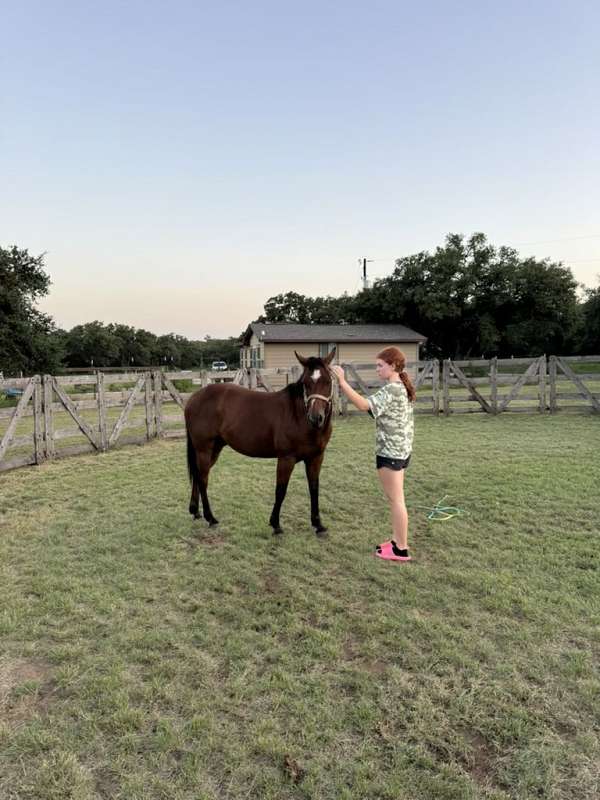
<point>440,513</point>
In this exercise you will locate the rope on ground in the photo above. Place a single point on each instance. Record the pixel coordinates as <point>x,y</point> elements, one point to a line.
<point>441,513</point>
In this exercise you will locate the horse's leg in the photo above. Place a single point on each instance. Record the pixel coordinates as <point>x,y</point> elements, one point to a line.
<point>204,460</point>
<point>191,459</point>
<point>285,467</point>
<point>313,468</point>
<point>194,499</point>
<point>218,445</point>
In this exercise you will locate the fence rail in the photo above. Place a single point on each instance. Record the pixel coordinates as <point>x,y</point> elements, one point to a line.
<point>51,417</point>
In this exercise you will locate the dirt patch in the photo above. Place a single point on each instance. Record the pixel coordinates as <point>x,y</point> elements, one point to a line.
<point>106,784</point>
<point>293,769</point>
<point>272,584</point>
<point>352,653</point>
<point>204,540</point>
<point>480,765</point>
<point>26,687</point>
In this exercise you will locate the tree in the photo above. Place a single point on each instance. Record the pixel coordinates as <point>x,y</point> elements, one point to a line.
<point>470,298</point>
<point>136,347</point>
<point>167,350</point>
<point>28,338</point>
<point>227,350</point>
<point>545,310</point>
<point>92,344</point>
<point>590,328</point>
<point>289,307</point>
<point>302,310</point>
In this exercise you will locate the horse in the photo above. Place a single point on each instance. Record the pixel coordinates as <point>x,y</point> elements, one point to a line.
<point>291,425</point>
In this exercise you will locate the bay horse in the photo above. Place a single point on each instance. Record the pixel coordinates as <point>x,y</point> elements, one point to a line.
<point>291,425</point>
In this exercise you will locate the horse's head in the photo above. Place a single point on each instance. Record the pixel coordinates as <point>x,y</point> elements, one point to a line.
<point>317,387</point>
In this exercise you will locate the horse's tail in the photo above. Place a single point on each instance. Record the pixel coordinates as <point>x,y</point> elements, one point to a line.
<point>191,460</point>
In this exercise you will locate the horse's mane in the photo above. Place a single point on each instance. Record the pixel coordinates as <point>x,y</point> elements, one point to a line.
<point>295,389</point>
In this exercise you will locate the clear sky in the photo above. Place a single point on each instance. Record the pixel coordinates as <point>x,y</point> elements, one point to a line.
<point>181,162</point>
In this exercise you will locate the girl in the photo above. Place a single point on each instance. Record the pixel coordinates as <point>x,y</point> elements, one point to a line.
<point>392,410</point>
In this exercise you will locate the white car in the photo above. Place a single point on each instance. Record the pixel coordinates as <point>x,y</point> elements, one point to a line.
<point>218,366</point>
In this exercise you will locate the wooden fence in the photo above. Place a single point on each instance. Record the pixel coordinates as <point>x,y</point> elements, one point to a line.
<point>59,416</point>
<point>425,376</point>
<point>69,415</point>
<point>522,385</point>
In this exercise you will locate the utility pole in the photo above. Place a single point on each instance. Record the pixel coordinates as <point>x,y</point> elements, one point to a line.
<point>363,263</point>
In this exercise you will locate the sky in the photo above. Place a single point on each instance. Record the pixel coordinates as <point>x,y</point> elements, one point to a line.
<point>180,163</point>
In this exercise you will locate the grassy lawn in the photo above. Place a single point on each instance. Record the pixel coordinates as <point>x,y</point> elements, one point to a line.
<point>145,656</point>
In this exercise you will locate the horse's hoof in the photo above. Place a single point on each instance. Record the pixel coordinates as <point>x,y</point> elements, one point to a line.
<point>197,516</point>
<point>277,530</point>
<point>321,532</point>
<point>212,522</point>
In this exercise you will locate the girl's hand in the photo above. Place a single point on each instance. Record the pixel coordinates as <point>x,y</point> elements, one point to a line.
<point>338,372</point>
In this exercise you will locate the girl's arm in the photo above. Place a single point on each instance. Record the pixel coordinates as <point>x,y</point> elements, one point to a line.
<point>355,398</point>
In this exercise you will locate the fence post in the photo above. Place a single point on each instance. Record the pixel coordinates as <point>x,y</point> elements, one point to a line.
<point>38,427</point>
<point>552,377</point>
<point>435,386</point>
<point>335,398</point>
<point>542,384</point>
<point>262,381</point>
<point>48,417</point>
<point>446,386</point>
<point>158,403</point>
<point>148,404</point>
<point>494,383</point>
<point>101,400</point>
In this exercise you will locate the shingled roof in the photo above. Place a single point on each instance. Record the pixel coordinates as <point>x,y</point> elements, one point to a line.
<point>289,332</point>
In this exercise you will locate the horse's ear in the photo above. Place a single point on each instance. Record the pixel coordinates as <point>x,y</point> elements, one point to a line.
<point>329,358</point>
<point>301,359</point>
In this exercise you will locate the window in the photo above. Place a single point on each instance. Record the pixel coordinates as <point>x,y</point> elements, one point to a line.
<point>325,348</point>
<point>256,357</point>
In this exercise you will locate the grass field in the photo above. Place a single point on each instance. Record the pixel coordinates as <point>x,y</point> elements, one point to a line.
<point>145,656</point>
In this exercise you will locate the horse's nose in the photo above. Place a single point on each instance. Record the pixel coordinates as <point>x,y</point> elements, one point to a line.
<point>317,420</point>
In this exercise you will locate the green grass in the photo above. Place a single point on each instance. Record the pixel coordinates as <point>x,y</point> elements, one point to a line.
<point>143,655</point>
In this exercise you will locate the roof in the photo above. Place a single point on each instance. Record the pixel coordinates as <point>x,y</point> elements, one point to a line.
<point>289,332</point>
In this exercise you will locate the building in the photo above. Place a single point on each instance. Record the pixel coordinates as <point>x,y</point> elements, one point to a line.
<point>271,345</point>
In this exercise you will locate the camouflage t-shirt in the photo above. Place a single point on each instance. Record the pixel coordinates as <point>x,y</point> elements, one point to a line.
<point>393,413</point>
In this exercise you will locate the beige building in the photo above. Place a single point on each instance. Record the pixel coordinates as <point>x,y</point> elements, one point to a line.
<point>271,345</point>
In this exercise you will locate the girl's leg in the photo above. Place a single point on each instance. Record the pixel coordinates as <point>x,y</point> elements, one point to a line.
<point>393,485</point>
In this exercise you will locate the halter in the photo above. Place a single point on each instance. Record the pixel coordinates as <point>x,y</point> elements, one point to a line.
<point>309,398</point>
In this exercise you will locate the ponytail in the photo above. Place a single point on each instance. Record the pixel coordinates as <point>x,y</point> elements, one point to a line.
<point>396,359</point>
<point>410,389</point>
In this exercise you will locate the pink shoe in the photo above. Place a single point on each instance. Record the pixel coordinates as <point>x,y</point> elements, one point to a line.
<point>387,553</point>
<point>383,545</point>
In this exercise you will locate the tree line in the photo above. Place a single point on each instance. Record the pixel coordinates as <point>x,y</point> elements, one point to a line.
<point>30,341</point>
<point>468,298</point>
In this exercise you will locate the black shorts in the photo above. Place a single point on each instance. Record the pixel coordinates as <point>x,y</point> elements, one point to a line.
<point>391,463</point>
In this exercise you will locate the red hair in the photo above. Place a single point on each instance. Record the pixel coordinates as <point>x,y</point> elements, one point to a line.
<point>396,359</point>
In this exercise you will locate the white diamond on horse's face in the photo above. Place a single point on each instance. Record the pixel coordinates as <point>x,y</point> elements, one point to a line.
<point>316,375</point>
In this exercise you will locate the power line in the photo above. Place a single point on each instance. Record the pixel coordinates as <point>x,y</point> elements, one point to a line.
<point>563,239</point>
<point>522,244</point>
<point>562,258</point>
